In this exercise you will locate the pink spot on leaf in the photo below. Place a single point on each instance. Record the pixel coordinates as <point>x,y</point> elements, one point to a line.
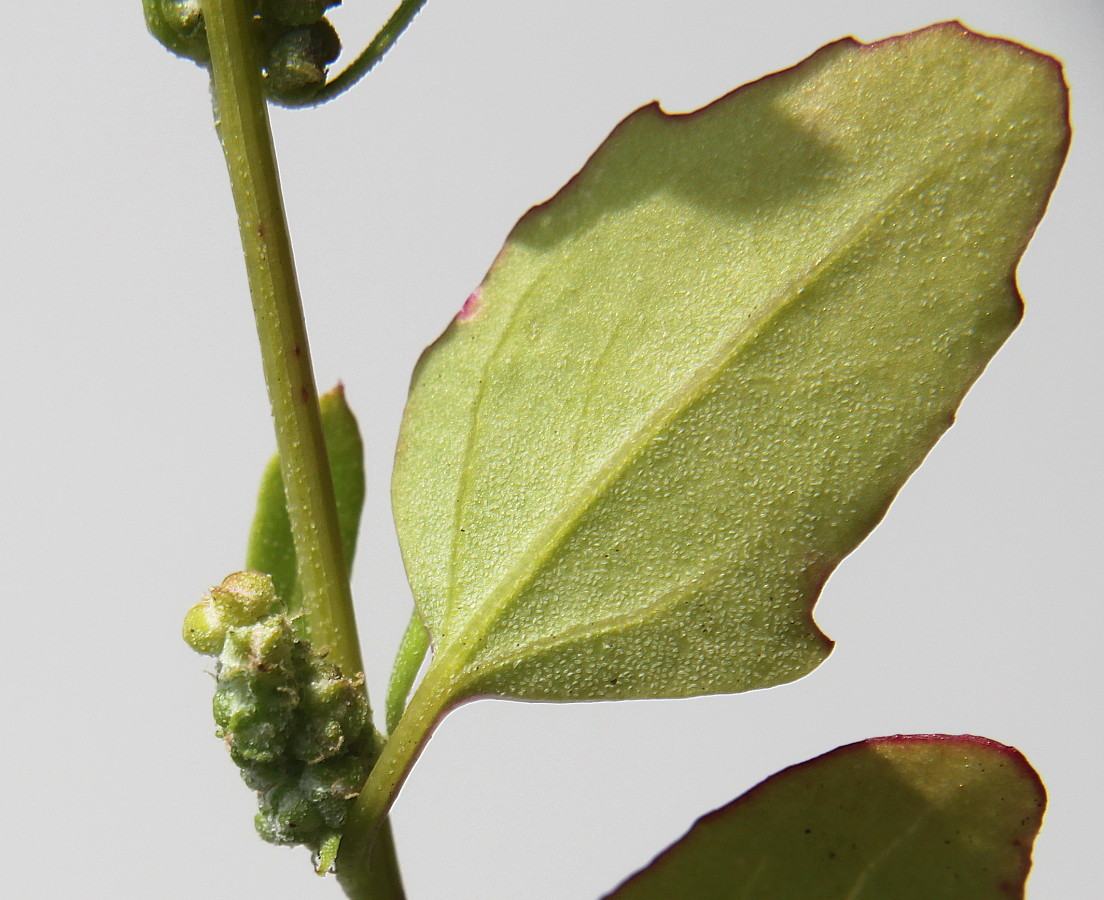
<point>471,306</point>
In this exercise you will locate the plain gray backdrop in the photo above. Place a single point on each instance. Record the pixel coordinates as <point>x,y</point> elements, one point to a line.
<point>137,426</point>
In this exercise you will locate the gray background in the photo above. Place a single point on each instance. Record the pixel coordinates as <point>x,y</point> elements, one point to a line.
<point>136,426</point>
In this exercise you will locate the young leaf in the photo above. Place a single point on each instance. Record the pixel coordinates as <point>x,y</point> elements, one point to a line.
<point>694,380</point>
<point>271,549</point>
<point>408,662</point>
<point>911,817</point>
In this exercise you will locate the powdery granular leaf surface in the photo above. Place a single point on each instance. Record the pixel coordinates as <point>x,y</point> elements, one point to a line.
<point>693,380</point>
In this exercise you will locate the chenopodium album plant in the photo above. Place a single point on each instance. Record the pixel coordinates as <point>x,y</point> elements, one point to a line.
<point>689,385</point>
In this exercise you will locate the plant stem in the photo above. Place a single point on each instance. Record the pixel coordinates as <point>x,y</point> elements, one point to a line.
<point>364,828</point>
<point>243,127</point>
<point>242,120</point>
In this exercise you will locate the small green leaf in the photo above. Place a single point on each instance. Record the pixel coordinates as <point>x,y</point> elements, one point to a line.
<point>327,854</point>
<point>271,549</point>
<point>911,817</point>
<point>694,380</point>
<point>408,662</point>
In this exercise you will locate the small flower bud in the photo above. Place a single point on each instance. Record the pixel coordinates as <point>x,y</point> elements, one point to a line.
<point>244,597</point>
<point>204,629</point>
<point>287,817</point>
<point>297,729</point>
<point>266,649</point>
<point>335,714</point>
<point>178,25</point>
<point>254,709</point>
<point>263,777</point>
<point>330,785</point>
<point>298,59</point>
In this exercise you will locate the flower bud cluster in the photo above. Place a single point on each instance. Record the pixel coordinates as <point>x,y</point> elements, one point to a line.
<point>297,729</point>
<point>296,41</point>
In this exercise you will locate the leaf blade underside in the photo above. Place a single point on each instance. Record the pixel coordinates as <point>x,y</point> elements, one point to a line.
<point>694,380</point>
<point>910,817</point>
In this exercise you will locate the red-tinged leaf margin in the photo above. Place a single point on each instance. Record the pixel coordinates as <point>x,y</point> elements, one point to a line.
<point>472,305</point>
<point>1012,884</point>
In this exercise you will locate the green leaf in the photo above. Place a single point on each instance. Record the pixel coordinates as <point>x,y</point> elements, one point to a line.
<point>271,549</point>
<point>911,817</point>
<point>693,381</point>
<point>408,662</point>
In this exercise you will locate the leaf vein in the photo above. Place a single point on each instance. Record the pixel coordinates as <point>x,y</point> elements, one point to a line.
<point>559,527</point>
<point>584,630</point>
<point>548,539</point>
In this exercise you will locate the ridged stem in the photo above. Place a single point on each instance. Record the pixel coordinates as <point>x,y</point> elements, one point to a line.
<point>243,128</point>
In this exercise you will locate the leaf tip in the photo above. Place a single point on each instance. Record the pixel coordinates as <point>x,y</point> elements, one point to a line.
<point>974,742</point>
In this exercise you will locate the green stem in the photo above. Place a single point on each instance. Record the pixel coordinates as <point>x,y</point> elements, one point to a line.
<point>371,54</point>
<point>242,119</point>
<point>381,880</point>
<point>243,127</point>
<point>363,831</point>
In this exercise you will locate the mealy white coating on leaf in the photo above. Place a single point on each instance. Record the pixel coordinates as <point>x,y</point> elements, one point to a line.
<point>700,373</point>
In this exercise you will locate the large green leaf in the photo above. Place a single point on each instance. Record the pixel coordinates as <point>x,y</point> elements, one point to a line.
<point>271,549</point>
<point>693,381</point>
<point>912,817</point>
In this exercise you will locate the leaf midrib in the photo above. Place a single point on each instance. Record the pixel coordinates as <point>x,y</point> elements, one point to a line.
<point>548,539</point>
<point>607,624</point>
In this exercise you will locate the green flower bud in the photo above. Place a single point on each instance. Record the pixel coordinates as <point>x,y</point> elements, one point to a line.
<point>287,817</point>
<point>317,740</point>
<point>267,647</point>
<point>257,693</point>
<point>331,785</point>
<point>297,729</point>
<point>255,724</point>
<point>242,599</point>
<point>297,61</point>
<point>335,714</point>
<point>263,777</point>
<point>204,629</point>
<point>254,727</point>
<point>245,597</point>
<point>178,25</point>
